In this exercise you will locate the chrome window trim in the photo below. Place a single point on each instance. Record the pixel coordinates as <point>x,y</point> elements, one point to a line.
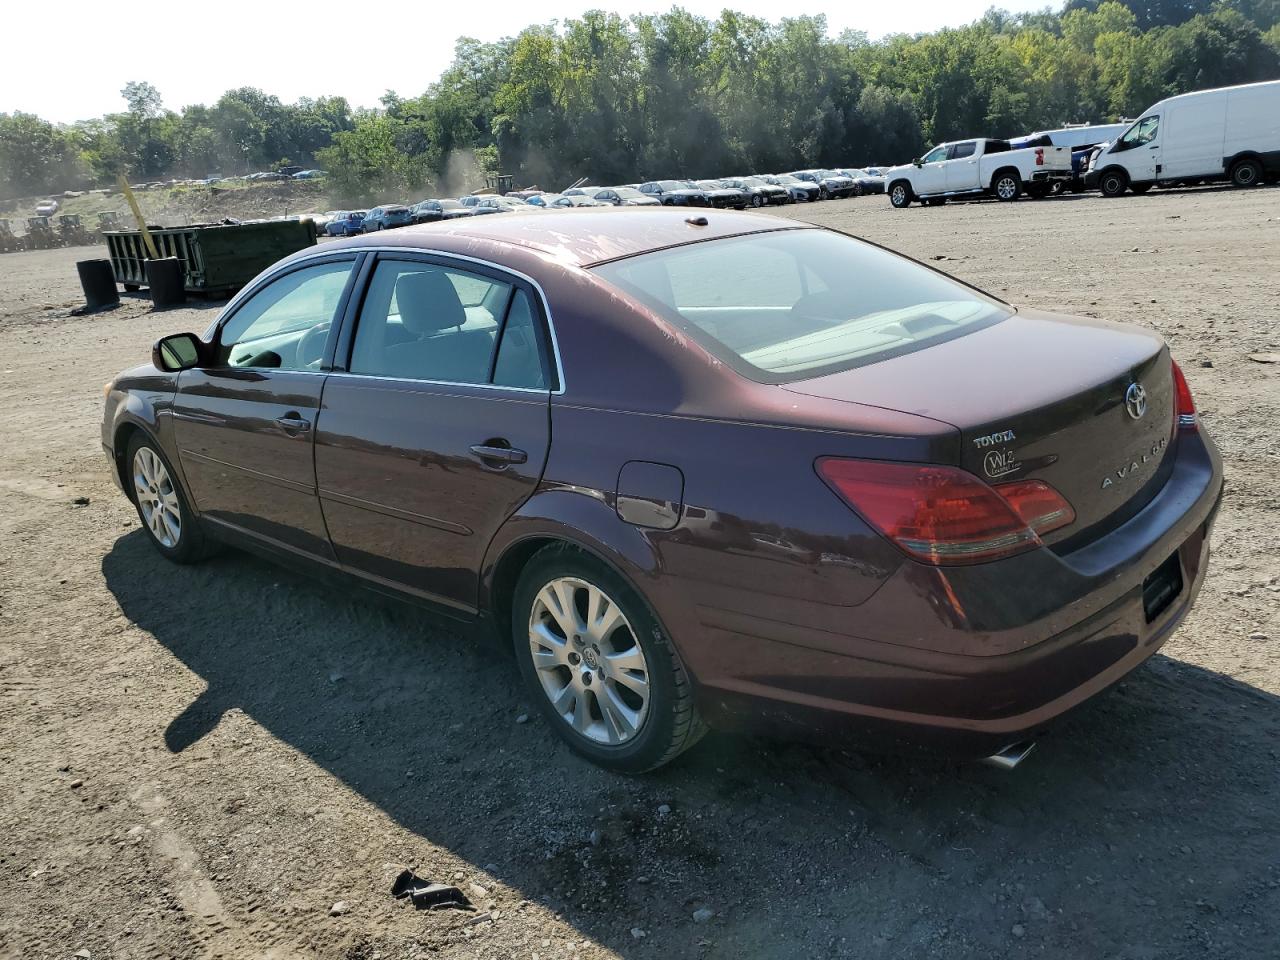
<point>431,252</point>
<point>435,383</point>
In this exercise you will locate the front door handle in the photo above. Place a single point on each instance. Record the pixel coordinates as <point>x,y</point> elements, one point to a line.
<point>293,424</point>
<point>503,455</point>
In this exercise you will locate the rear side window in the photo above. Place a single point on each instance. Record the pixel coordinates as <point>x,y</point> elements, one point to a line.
<point>961,150</point>
<point>794,304</point>
<point>519,362</point>
<point>423,321</point>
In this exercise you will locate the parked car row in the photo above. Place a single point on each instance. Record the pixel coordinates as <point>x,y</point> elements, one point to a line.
<point>738,193</point>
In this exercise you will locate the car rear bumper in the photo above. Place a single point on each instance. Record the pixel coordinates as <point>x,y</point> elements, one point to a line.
<point>1068,638</point>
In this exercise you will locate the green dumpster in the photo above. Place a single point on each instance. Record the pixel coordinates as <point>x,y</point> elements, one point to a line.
<point>216,258</point>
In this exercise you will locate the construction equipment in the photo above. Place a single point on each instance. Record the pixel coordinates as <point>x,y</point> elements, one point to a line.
<point>108,220</point>
<point>71,230</point>
<point>8,242</point>
<point>40,234</point>
<point>499,183</point>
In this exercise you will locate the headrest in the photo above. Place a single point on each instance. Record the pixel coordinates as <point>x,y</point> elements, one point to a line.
<point>428,302</point>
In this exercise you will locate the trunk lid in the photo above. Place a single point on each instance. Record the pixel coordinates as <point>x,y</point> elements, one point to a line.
<point>1039,396</point>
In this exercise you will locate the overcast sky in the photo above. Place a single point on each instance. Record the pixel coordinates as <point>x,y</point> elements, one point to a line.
<point>194,51</point>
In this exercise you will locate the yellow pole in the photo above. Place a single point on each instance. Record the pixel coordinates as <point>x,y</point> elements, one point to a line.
<point>137,215</point>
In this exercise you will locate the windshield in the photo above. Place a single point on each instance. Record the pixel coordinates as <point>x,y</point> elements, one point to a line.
<point>671,185</point>
<point>793,304</point>
<point>785,178</point>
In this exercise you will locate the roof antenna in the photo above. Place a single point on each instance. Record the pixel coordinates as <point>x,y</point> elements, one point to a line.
<point>696,221</point>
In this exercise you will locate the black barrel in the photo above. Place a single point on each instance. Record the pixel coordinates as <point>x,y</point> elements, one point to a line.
<point>164,277</point>
<point>98,282</point>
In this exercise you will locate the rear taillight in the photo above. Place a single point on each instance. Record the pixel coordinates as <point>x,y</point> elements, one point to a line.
<point>1185,410</point>
<point>944,515</point>
<point>1039,156</point>
<point>1041,507</point>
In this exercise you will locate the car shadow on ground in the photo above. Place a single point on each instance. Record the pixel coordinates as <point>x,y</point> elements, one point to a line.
<point>1149,820</point>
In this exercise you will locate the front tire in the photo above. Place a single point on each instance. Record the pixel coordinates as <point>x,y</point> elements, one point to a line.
<point>757,200</point>
<point>1246,173</point>
<point>599,664</point>
<point>162,505</point>
<point>1113,183</point>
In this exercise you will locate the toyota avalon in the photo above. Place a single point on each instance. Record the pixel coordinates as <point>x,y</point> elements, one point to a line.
<point>698,468</point>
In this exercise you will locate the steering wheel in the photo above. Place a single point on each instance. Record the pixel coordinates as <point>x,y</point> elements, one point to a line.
<point>310,349</point>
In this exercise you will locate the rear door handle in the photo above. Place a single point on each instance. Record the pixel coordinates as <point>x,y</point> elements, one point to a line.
<point>498,454</point>
<point>293,424</point>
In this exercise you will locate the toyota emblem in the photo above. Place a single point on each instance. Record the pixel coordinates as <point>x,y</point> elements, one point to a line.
<point>1135,400</point>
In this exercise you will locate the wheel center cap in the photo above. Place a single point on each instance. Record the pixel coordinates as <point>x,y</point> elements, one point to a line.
<point>590,657</point>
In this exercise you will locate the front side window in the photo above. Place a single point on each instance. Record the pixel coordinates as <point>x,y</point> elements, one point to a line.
<point>423,321</point>
<point>793,304</point>
<point>286,323</point>
<point>935,155</point>
<point>1141,133</point>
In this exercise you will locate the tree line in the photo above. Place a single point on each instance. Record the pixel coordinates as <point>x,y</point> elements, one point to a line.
<point>623,99</point>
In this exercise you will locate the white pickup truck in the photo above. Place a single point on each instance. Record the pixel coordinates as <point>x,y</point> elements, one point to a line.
<point>971,168</point>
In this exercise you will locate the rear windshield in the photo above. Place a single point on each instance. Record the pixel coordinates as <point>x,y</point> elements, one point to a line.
<point>793,304</point>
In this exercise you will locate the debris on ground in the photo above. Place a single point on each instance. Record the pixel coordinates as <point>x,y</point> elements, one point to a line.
<point>427,895</point>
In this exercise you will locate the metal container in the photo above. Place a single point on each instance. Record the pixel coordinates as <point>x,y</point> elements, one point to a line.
<point>216,258</point>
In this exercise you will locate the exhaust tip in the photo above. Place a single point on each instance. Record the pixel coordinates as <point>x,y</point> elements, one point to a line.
<point>1010,756</point>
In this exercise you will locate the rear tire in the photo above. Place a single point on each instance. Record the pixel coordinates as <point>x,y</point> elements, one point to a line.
<point>1246,173</point>
<point>1007,185</point>
<point>161,503</point>
<point>900,194</point>
<point>593,675</point>
<point>1113,183</point>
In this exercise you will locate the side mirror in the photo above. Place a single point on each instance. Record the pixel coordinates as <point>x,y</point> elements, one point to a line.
<point>178,351</point>
<point>918,162</point>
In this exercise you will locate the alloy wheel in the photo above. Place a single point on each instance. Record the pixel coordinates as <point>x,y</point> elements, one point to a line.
<point>157,498</point>
<point>588,661</point>
<point>1006,188</point>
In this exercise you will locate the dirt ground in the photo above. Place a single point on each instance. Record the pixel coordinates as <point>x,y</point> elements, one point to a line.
<point>231,760</point>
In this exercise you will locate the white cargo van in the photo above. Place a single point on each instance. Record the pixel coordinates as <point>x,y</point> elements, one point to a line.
<point>1229,133</point>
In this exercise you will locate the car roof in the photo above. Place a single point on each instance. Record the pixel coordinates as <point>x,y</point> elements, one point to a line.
<point>590,236</point>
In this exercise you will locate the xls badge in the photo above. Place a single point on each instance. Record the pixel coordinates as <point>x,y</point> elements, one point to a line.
<point>999,463</point>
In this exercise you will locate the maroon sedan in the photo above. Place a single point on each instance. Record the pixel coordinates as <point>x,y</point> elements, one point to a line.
<point>712,469</point>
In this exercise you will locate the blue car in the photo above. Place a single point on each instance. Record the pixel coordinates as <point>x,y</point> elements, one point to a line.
<point>346,223</point>
<point>387,216</point>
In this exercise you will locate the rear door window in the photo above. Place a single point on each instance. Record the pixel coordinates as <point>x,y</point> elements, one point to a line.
<point>425,321</point>
<point>961,150</point>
